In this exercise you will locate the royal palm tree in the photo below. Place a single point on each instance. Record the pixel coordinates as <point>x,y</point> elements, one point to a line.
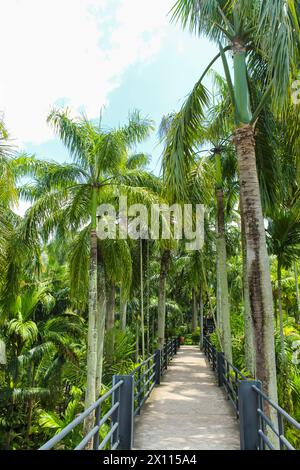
<point>213,132</point>
<point>164,266</point>
<point>67,197</point>
<point>216,132</point>
<point>267,32</point>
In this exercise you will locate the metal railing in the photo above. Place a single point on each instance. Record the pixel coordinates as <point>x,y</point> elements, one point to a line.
<point>126,396</point>
<point>271,437</point>
<point>144,381</point>
<point>168,352</point>
<point>230,378</point>
<point>228,375</point>
<point>257,413</point>
<point>148,373</point>
<point>94,434</point>
<point>210,352</point>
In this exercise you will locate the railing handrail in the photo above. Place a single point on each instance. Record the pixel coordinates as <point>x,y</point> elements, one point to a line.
<point>65,431</point>
<point>233,367</point>
<point>142,364</point>
<point>263,421</point>
<point>144,384</point>
<point>277,407</point>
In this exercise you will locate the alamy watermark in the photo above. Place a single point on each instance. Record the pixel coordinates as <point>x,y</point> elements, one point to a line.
<point>157,222</point>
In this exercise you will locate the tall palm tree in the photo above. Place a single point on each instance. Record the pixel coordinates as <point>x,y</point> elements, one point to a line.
<point>217,132</point>
<point>192,276</point>
<point>189,188</point>
<point>284,243</point>
<point>67,197</point>
<point>164,266</point>
<point>213,131</point>
<point>8,190</point>
<point>248,28</point>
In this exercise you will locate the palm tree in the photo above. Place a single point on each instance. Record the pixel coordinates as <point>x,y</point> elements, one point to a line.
<point>297,314</point>
<point>215,131</point>
<point>67,197</point>
<point>164,266</point>
<point>247,27</point>
<point>142,298</point>
<point>8,188</point>
<point>31,343</point>
<point>192,276</point>
<point>284,243</point>
<point>190,189</point>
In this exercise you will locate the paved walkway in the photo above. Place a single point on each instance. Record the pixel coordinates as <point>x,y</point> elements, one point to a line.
<point>187,411</point>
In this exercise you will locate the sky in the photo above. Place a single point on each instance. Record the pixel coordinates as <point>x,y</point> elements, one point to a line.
<point>114,55</point>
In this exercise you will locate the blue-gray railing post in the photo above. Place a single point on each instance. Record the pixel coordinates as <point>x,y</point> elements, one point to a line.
<point>249,418</point>
<point>157,360</point>
<point>96,439</point>
<point>280,429</point>
<point>126,411</point>
<point>221,368</point>
<point>115,417</point>
<point>139,389</point>
<point>166,356</point>
<point>205,346</point>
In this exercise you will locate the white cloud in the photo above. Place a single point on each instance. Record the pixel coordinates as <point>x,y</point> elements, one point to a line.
<point>72,49</point>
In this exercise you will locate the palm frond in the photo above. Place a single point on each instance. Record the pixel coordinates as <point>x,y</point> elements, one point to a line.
<point>210,17</point>
<point>138,161</point>
<point>137,129</point>
<point>79,254</point>
<point>278,37</point>
<point>181,141</point>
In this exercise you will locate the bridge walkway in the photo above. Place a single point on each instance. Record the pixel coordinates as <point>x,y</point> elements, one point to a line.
<point>187,411</point>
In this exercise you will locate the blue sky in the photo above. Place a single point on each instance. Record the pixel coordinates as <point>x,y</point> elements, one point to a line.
<point>117,54</point>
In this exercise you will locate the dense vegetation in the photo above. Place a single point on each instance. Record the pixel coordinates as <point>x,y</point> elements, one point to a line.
<point>76,309</point>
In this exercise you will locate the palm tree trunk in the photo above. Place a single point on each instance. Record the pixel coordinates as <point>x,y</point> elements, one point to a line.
<point>92,342</point>
<point>248,326</point>
<point>164,264</point>
<point>148,298</point>
<point>29,420</point>
<point>275,295</point>
<point>201,316</point>
<point>101,294</point>
<point>279,279</point>
<point>195,312</point>
<point>258,269</point>
<point>110,311</point>
<point>29,404</point>
<point>224,312</point>
<point>137,339</point>
<point>142,299</point>
<point>90,395</point>
<point>297,314</point>
<point>3,359</point>
<point>123,310</point>
<point>219,324</point>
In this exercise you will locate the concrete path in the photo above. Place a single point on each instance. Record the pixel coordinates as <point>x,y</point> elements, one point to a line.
<point>187,411</point>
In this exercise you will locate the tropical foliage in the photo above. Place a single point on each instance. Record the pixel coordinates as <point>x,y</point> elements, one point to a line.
<point>75,308</point>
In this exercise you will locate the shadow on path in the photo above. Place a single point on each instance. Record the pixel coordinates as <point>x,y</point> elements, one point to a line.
<point>187,411</point>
